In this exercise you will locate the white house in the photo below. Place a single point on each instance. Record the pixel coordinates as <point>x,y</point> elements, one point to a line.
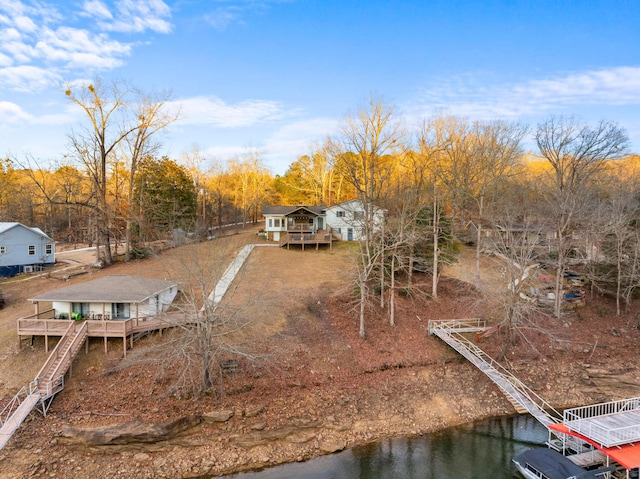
<point>24,249</point>
<point>346,220</point>
<point>114,297</point>
<point>293,219</point>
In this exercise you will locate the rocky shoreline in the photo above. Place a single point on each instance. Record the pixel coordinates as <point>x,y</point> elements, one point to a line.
<point>305,424</point>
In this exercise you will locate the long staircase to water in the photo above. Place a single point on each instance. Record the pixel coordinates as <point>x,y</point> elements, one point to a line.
<point>48,382</point>
<point>50,379</point>
<point>523,398</point>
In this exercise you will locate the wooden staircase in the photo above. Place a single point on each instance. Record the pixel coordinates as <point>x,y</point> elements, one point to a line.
<point>48,382</point>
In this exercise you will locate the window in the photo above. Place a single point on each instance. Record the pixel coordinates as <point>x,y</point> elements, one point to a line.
<point>3,249</point>
<point>32,250</point>
<point>120,311</point>
<point>276,222</point>
<point>80,310</point>
<point>339,214</point>
<point>48,248</point>
<point>270,222</point>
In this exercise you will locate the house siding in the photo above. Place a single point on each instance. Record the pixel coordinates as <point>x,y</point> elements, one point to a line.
<point>350,215</point>
<point>16,241</point>
<point>150,307</point>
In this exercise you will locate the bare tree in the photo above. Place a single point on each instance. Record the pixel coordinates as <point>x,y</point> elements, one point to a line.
<point>495,149</point>
<point>576,153</point>
<point>614,242</point>
<point>96,144</point>
<point>121,121</point>
<point>368,142</point>
<point>222,320</point>
<point>152,117</point>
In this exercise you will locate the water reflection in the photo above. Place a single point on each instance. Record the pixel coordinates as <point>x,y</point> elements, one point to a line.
<point>475,451</point>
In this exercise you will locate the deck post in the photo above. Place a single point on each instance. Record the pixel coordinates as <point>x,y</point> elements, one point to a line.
<point>46,337</point>
<point>124,344</point>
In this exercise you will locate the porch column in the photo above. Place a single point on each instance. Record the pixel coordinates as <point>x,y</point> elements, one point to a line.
<point>104,329</point>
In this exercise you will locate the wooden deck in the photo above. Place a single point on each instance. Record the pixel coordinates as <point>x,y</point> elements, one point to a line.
<point>306,239</point>
<point>37,325</point>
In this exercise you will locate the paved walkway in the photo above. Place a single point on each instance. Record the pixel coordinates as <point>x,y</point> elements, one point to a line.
<point>229,275</point>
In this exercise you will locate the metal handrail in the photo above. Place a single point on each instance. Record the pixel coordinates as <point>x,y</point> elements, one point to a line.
<point>447,329</point>
<point>577,419</point>
<point>10,408</point>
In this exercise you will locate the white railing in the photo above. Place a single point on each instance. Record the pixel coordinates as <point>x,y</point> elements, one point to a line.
<point>449,331</point>
<point>10,408</point>
<point>469,325</point>
<point>580,419</point>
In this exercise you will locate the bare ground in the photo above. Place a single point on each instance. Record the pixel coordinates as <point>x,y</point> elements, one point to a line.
<point>320,388</point>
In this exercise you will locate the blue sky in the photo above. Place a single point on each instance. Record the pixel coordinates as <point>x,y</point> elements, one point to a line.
<point>280,75</point>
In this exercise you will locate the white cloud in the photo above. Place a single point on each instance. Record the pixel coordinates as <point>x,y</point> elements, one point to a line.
<point>96,9</point>
<point>10,113</point>
<point>234,11</point>
<point>470,97</point>
<point>27,78</point>
<point>5,60</point>
<point>213,111</point>
<point>132,16</point>
<point>616,86</point>
<point>81,49</point>
<point>34,34</point>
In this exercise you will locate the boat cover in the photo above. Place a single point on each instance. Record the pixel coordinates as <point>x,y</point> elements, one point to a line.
<point>550,463</point>
<point>627,455</point>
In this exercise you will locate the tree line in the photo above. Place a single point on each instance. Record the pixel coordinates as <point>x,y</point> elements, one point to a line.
<point>442,182</point>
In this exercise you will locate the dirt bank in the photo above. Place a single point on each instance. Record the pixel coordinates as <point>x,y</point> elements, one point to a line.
<point>321,388</point>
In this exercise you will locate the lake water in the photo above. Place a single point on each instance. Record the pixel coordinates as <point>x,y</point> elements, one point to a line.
<point>480,450</point>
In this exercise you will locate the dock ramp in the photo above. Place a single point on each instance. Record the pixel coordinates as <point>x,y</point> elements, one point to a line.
<point>524,399</point>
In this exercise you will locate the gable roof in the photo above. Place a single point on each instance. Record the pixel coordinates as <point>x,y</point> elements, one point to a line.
<point>286,210</point>
<point>115,288</point>
<point>6,226</point>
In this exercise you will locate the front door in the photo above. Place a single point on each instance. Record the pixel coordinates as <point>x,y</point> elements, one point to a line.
<point>320,224</point>
<point>350,234</point>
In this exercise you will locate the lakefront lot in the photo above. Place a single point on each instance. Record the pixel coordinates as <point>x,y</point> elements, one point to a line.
<point>315,386</point>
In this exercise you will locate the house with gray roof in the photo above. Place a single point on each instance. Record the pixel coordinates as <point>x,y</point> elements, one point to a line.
<point>24,249</point>
<point>113,297</point>
<point>300,219</point>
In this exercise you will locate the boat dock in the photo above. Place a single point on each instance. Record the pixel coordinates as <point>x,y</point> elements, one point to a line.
<point>605,433</point>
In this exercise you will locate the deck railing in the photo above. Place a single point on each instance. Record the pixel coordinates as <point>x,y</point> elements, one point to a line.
<point>96,328</point>
<point>46,314</point>
<point>319,237</point>
<point>580,420</point>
